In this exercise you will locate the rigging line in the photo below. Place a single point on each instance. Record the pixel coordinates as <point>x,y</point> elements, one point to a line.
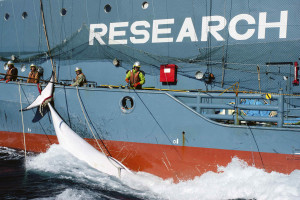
<point>224,59</point>
<point>262,162</point>
<point>16,27</point>
<point>98,47</point>
<point>84,113</point>
<point>117,5</point>
<point>36,18</point>
<point>34,113</point>
<point>48,45</point>
<point>72,6</point>
<point>153,9</point>
<point>156,121</point>
<point>62,36</point>
<point>24,140</point>
<point>209,38</point>
<point>67,106</point>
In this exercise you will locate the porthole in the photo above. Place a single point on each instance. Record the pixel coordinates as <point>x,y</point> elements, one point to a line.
<point>63,12</point>
<point>24,15</point>
<point>6,16</point>
<point>145,5</point>
<point>107,8</point>
<point>127,104</point>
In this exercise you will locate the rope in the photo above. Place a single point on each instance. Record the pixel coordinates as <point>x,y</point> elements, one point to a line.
<point>108,157</point>
<point>262,162</point>
<point>46,35</point>
<point>156,121</point>
<point>38,121</point>
<point>16,26</point>
<point>22,120</point>
<point>87,121</point>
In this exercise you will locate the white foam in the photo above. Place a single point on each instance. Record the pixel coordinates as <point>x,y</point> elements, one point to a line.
<point>74,195</point>
<point>237,180</point>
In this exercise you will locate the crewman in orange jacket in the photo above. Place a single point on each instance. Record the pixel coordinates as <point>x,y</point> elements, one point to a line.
<point>33,76</point>
<point>12,72</point>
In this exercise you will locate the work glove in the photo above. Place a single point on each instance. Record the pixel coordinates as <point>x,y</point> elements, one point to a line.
<point>136,84</point>
<point>7,81</point>
<point>127,80</point>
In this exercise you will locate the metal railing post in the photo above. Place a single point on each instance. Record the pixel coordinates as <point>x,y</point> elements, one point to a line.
<point>280,108</point>
<point>198,103</point>
<point>236,118</point>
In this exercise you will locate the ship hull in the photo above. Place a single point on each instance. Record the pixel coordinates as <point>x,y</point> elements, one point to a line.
<point>165,161</point>
<point>145,137</point>
<point>251,45</point>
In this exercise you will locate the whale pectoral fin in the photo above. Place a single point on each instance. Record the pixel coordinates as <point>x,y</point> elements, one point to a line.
<point>45,94</point>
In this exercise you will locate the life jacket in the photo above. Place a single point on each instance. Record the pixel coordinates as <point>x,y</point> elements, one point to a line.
<point>11,74</point>
<point>33,77</point>
<point>134,78</point>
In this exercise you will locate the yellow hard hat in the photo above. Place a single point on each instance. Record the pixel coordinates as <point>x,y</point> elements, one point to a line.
<point>137,64</point>
<point>78,69</point>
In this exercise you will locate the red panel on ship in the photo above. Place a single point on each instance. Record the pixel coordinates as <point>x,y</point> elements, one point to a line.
<point>168,73</point>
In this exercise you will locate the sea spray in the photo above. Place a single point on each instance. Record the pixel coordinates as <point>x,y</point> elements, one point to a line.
<point>236,180</point>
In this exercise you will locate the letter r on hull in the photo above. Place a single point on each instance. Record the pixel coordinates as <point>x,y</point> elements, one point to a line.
<point>97,35</point>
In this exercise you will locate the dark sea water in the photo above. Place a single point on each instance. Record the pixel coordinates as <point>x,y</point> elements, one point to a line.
<point>19,182</point>
<point>56,174</point>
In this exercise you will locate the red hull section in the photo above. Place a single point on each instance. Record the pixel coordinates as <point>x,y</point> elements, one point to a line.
<point>165,161</point>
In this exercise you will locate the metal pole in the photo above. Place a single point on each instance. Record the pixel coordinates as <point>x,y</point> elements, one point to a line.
<point>280,108</point>
<point>198,103</point>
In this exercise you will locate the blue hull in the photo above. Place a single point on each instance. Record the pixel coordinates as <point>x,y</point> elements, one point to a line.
<point>253,43</point>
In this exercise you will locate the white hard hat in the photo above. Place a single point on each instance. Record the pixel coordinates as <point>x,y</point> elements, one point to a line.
<point>137,64</point>
<point>10,63</point>
<point>33,65</point>
<point>78,69</point>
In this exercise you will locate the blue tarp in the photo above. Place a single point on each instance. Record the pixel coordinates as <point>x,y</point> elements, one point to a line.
<point>262,113</point>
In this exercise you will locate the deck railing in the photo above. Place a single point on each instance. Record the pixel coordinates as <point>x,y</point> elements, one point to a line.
<point>208,104</point>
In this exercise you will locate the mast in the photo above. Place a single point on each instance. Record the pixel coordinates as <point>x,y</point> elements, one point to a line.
<point>48,45</point>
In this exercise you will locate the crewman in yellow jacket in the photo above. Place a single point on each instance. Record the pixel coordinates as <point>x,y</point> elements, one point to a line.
<point>135,77</point>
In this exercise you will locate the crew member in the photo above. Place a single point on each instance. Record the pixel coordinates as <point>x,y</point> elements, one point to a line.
<point>12,72</point>
<point>80,78</point>
<point>135,77</point>
<point>33,76</point>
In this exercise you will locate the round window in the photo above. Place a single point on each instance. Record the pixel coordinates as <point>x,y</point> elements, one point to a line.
<point>145,5</point>
<point>6,16</point>
<point>24,15</point>
<point>127,104</point>
<point>107,8</point>
<point>63,12</point>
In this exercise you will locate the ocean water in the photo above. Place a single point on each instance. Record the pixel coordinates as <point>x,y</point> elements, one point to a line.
<point>56,174</point>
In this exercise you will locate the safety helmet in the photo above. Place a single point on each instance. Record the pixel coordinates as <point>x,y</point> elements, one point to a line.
<point>137,64</point>
<point>33,65</point>
<point>10,63</point>
<point>77,69</point>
